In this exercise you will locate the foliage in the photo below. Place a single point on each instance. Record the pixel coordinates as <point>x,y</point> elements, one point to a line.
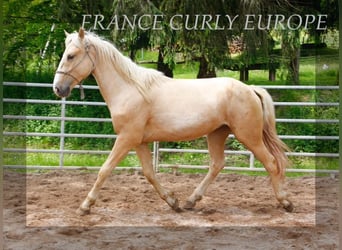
<point>32,45</point>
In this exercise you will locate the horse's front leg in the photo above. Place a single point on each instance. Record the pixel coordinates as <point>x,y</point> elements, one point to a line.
<point>145,157</point>
<point>119,151</point>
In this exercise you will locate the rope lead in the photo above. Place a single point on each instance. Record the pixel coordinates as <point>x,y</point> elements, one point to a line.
<point>82,96</point>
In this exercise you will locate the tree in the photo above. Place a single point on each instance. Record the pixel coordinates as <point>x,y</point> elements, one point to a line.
<point>27,28</point>
<point>24,35</point>
<point>131,39</point>
<point>291,54</point>
<point>197,41</point>
<point>136,38</point>
<point>209,45</point>
<point>291,38</point>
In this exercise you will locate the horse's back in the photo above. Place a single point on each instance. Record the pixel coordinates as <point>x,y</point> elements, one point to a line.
<point>198,89</point>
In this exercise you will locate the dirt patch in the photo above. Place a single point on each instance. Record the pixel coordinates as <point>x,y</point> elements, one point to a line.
<point>238,212</point>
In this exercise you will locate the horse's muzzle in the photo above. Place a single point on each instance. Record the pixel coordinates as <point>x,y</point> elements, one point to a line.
<point>61,91</point>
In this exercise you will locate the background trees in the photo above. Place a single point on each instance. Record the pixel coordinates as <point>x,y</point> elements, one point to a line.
<point>33,33</point>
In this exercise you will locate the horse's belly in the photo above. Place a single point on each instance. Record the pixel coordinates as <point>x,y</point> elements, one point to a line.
<point>187,127</point>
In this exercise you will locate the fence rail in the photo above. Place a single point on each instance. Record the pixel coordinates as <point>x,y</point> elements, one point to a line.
<point>156,148</point>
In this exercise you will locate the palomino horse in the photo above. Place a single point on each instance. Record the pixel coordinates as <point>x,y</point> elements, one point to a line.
<point>146,106</point>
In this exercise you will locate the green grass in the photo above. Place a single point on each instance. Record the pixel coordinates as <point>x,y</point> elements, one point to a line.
<point>174,159</point>
<point>52,159</point>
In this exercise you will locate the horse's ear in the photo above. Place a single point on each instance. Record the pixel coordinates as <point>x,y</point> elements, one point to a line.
<point>81,33</point>
<point>66,33</point>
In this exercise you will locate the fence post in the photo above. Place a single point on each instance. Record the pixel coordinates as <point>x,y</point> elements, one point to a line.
<point>251,161</point>
<point>61,142</point>
<point>156,156</point>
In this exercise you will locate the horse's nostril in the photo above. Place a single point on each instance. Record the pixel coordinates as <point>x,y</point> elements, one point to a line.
<point>61,92</point>
<point>56,89</point>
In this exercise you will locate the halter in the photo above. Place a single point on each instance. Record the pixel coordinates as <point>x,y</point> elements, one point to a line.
<point>68,73</point>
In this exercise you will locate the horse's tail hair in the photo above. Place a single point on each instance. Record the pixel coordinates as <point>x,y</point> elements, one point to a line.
<point>270,138</point>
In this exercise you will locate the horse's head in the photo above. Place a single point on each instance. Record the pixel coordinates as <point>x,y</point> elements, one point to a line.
<point>77,63</point>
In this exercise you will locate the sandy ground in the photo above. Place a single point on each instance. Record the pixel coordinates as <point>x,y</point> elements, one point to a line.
<point>238,212</point>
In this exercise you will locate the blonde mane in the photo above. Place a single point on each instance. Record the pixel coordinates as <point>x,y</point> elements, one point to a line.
<point>142,78</point>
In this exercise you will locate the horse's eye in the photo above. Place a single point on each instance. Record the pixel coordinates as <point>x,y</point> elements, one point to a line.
<point>70,57</point>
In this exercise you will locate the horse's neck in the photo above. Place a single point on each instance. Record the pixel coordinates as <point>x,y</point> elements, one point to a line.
<point>112,85</point>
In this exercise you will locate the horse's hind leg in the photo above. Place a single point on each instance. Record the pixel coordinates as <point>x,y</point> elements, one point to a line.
<point>277,177</point>
<point>145,157</point>
<point>216,141</point>
<point>253,141</point>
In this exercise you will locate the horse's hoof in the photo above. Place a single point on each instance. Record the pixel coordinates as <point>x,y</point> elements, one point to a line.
<point>189,205</point>
<point>289,207</point>
<point>176,207</point>
<point>178,210</point>
<point>81,211</point>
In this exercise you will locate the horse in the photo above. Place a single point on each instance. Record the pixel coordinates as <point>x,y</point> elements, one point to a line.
<point>146,106</point>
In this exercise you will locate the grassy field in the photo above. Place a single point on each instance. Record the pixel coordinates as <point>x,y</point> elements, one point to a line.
<point>314,70</point>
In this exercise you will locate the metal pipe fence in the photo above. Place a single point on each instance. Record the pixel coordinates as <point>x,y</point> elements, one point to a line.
<point>157,150</point>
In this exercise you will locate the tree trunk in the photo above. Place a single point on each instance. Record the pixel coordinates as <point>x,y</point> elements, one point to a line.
<point>293,75</point>
<point>244,74</point>
<point>132,53</point>
<point>291,53</point>
<point>161,66</point>
<point>204,70</point>
<point>272,74</point>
